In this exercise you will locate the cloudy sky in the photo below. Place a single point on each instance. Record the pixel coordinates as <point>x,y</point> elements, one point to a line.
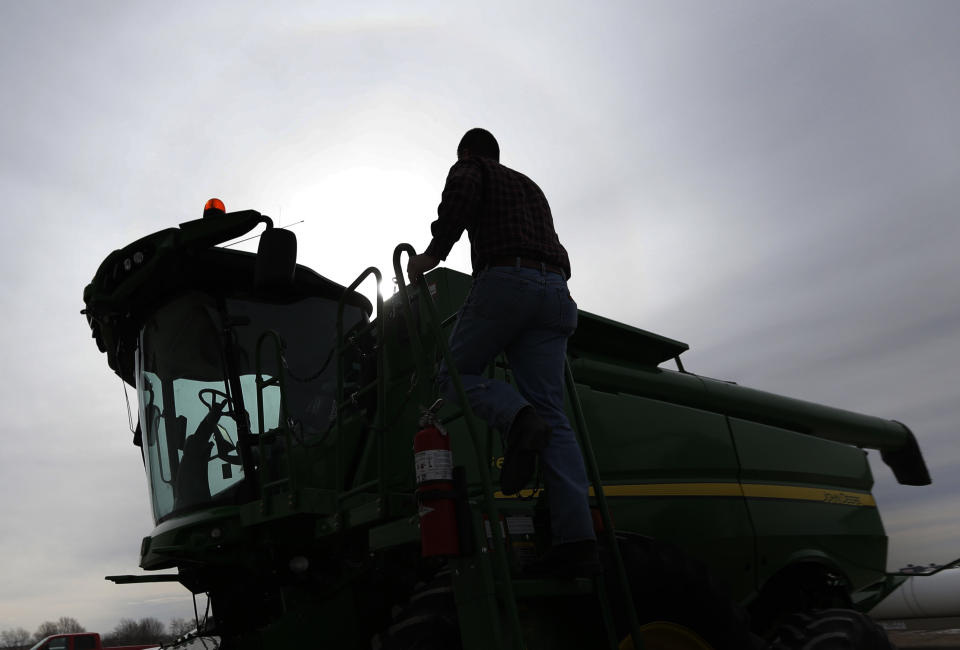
<point>774,183</point>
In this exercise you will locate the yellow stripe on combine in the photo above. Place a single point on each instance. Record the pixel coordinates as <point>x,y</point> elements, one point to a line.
<point>823,495</point>
<point>673,490</point>
<point>747,490</point>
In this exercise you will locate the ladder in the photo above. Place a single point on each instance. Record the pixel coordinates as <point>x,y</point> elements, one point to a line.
<point>505,588</point>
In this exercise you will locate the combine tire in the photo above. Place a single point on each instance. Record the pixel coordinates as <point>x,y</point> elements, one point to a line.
<point>427,622</point>
<point>679,607</point>
<point>830,629</point>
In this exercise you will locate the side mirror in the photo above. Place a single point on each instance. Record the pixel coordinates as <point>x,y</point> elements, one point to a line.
<point>276,259</point>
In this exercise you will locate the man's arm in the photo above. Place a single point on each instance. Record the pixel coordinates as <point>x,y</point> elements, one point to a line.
<point>457,210</point>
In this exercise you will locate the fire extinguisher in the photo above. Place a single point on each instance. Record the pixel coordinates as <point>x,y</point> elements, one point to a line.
<point>436,497</point>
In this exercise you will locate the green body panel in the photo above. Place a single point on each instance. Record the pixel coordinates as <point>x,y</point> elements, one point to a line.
<point>773,454</point>
<point>639,442</point>
<point>850,537</point>
<point>748,482</point>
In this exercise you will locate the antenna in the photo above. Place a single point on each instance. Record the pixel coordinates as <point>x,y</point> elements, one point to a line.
<point>240,241</point>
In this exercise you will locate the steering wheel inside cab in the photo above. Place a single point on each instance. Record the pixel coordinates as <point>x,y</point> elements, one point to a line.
<point>219,404</point>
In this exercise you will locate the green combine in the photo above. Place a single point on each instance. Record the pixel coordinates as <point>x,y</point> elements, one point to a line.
<point>277,413</point>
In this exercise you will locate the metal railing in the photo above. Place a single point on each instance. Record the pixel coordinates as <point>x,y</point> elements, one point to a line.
<point>377,384</point>
<point>501,568</point>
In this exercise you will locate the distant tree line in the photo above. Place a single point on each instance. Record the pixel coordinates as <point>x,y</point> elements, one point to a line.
<point>127,632</point>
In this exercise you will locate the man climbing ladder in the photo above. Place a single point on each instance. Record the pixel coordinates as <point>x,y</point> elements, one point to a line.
<point>518,304</point>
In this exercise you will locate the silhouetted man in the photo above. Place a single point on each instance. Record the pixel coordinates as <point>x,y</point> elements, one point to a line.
<point>519,304</point>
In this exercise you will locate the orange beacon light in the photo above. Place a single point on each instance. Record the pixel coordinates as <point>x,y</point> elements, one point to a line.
<point>214,208</point>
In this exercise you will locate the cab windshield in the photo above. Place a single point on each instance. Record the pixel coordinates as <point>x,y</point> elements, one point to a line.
<point>188,415</point>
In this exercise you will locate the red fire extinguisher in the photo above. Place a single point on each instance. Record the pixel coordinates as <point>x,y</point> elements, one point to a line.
<point>436,498</point>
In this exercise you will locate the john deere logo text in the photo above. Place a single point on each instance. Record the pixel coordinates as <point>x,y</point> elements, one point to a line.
<point>841,498</point>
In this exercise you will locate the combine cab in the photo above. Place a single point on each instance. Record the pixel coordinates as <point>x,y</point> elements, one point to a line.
<point>277,416</point>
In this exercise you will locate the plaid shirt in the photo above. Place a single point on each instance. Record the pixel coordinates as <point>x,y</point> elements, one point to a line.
<point>504,213</point>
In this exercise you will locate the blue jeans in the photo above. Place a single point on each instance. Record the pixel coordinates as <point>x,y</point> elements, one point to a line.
<point>528,314</point>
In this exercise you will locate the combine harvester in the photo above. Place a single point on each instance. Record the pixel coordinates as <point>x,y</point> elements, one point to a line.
<point>277,418</point>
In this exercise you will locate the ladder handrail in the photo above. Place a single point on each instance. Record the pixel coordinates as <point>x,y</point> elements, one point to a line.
<point>502,569</point>
<point>380,416</point>
<point>489,500</point>
<point>412,330</point>
<point>594,472</point>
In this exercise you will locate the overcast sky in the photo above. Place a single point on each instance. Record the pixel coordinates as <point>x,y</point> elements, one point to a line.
<point>774,183</point>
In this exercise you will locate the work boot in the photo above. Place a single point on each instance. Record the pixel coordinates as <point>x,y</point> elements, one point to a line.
<point>528,434</point>
<point>570,560</point>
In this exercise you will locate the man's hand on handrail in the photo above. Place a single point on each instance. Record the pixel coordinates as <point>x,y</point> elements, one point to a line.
<point>420,264</point>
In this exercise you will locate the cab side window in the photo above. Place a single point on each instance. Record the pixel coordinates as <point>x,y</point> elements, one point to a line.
<point>85,642</point>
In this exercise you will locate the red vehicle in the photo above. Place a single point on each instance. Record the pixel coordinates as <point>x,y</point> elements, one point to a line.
<point>83,641</point>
